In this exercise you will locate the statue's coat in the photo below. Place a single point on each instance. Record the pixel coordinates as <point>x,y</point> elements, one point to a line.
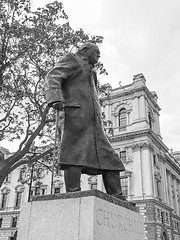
<point>84,142</point>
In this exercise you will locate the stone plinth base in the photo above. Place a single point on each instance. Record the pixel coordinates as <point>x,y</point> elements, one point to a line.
<point>88,215</point>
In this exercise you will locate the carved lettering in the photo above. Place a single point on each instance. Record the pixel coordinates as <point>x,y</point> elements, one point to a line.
<point>106,218</point>
<point>114,220</point>
<point>99,217</point>
<point>120,222</point>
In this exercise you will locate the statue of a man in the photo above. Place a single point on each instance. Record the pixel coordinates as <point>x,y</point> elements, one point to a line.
<point>71,85</point>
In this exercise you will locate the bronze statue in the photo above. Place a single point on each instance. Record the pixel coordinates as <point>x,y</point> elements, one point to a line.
<point>71,85</point>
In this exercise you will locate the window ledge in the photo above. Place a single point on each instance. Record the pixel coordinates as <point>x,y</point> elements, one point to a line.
<point>16,208</point>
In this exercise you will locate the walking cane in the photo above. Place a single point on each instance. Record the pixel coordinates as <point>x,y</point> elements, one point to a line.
<point>54,150</point>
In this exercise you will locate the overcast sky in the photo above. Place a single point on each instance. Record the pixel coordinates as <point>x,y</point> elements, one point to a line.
<point>140,36</point>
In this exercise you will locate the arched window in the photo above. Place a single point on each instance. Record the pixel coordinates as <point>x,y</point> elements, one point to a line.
<point>4,195</point>
<point>7,179</point>
<point>93,182</point>
<point>122,118</point>
<point>58,184</point>
<point>19,190</point>
<point>4,200</point>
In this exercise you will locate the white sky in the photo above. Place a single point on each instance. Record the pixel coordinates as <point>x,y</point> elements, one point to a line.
<point>140,36</point>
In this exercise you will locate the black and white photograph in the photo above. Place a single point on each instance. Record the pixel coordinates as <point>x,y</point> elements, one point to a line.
<point>89,120</point>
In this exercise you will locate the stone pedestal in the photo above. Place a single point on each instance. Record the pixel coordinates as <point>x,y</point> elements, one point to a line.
<point>88,215</point>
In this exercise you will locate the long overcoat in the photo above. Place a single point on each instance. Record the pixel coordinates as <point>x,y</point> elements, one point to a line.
<point>84,142</point>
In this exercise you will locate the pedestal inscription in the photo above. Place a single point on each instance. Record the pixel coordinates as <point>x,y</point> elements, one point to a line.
<point>88,215</point>
<point>114,220</point>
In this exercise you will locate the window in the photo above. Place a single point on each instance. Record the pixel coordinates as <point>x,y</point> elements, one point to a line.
<point>150,120</point>
<point>166,217</point>
<point>58,171</point>
<point>157,176</point>
<point>22,174</point>
<point>19,191</point>
<point>1,219</point>
<point>176,225</point>
<point>14,237</point>
<point>4,200</point>
<point>158,214</point>
<point>162,216</point>
<point>57,190</point>
<point>122,118</point>
<point>14,222</point>
<point>7,179</point>
<point>154,159</point>
<point>57,186</point>
<point>92,182</point>
<point>158,190</point>
<point>18,199</point>
<point>124,185</point>
<point>37,190</point>
<point>43,191</point>
<point>122,156</point>
<point>93,186</point>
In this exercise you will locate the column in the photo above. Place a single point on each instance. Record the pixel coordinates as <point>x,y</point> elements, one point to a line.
<point>100,184</point>
<point>165,184</point>
<point>169,188</point>
<point>158,125</point>
<point>142,107</point>
<point>135,109</point>
<point>137,171</point>
<point>155,124</point>
<point>178,186</point>
<point>109,112</point>
<point>147,175</point>
<point>175,194</point>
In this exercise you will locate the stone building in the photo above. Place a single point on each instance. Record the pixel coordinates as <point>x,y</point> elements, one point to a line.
<point>152,175</point>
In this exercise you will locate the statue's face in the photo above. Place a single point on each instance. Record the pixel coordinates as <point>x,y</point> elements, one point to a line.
<point>93,55</point>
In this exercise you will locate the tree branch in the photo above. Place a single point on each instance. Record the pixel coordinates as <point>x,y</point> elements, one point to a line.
<point>33,159</point>
<point>20,153</point>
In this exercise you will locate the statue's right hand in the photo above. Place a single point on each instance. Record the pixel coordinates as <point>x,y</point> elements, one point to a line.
<point>58,106</point>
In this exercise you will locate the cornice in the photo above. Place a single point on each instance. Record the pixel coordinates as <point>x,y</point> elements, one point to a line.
<point>9,213</point>
<point>142,145</point>
<point>132,91</point>
<point>128,135</point>
<point>156,202</point>
<point>173,165</point>
<point>140,133</point>
<point>177,217</point>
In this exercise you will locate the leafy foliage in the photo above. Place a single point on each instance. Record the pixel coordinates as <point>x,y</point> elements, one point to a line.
<point>30,44</point>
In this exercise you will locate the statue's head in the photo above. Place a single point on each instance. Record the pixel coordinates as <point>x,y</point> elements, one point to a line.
<point>90,51</point>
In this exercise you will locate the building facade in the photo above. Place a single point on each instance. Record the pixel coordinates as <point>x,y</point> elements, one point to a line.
<point>152,175</point>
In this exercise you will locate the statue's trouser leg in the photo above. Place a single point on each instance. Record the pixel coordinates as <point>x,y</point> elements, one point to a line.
<point>72,176</point>
<point>112,183</point>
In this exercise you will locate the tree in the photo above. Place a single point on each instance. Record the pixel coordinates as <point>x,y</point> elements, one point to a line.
<point>30,44</point>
